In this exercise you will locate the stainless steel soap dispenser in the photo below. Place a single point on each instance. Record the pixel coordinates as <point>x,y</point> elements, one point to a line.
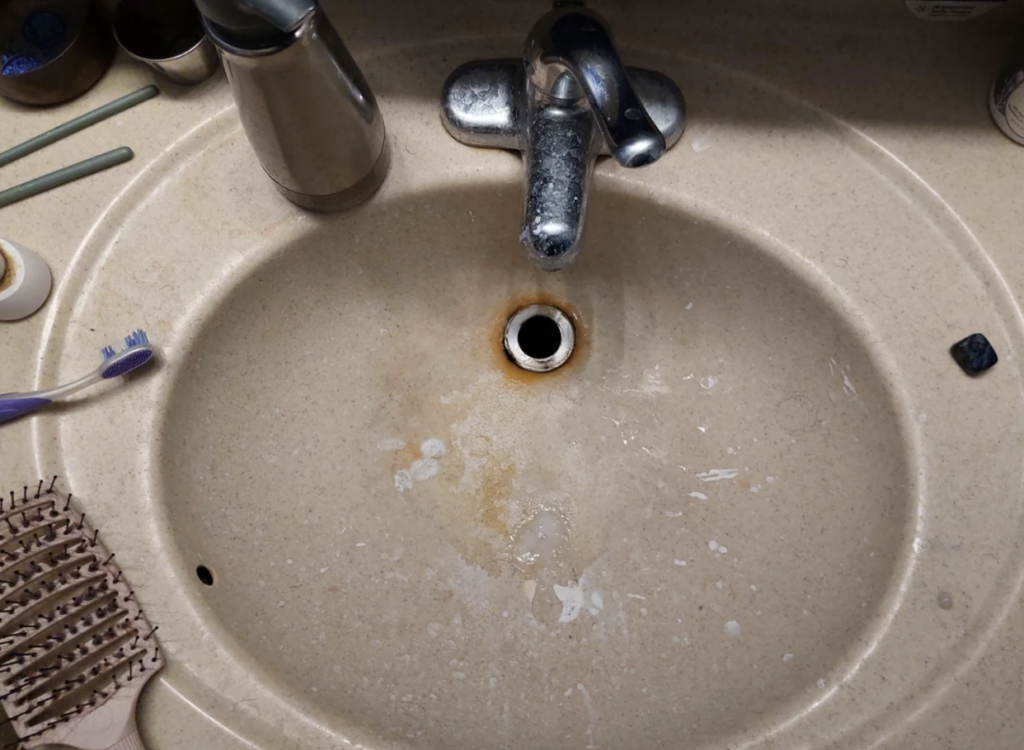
<point>306,107</point>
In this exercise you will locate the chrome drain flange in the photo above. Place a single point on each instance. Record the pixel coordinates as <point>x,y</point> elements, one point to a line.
<point>539,338</point>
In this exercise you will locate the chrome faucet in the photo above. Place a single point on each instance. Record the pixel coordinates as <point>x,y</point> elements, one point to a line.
<point>569,100</point>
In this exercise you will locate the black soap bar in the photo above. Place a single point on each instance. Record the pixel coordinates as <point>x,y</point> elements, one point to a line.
<point>974,354</point>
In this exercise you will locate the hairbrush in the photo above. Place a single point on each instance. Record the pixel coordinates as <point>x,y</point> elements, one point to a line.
<point>75,648</point>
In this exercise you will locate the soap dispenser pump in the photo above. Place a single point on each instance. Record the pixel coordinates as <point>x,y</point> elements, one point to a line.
<point>306,108</point>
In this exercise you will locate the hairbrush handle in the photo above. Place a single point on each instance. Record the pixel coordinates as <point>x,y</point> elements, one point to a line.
<point>110,726</point>
<point>131,741</point>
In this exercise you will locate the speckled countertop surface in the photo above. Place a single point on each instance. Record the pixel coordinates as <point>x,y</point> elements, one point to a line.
<point>915,92</point>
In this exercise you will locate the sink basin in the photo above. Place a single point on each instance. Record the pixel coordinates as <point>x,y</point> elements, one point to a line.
<point>692,522</point>
<point>734,518</point>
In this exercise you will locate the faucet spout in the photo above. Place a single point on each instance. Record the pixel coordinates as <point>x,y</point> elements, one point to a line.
<point>558,158</point>
<point>579,99</point>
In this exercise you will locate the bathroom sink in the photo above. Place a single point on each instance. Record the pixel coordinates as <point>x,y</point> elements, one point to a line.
<point>731,518</point>
<point>716,479</point>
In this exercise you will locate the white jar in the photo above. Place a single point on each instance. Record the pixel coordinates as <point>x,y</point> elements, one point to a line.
<point>25,281</point>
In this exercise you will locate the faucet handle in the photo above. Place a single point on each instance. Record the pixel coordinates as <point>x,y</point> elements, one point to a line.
<point>572,39</point>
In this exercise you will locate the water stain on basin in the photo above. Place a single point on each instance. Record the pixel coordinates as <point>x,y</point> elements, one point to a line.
<point>560,559</point>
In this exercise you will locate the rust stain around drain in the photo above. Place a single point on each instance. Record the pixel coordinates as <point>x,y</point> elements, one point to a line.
<point>473,499</point>
<point>517,303</point>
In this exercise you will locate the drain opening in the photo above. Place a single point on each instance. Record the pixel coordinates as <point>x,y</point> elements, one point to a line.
<point>539,338</point>
<point>205,575</point>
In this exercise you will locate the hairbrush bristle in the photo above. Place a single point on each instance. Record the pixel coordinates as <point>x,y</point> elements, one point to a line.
<point>71,633</point>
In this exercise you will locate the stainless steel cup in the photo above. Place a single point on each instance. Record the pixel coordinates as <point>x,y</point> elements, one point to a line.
<point>167,35</point>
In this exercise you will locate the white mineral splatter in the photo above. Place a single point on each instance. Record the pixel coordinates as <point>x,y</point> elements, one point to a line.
<point>702,142</point>
<point>433,448</point>
<point>715,475</point>
<point>848,388</point>
<point>652,383</point>
<point>538,539</point>
<point>574,600</point>
<point>591,716</point>
<point>403,480</point>
<point>732,629</point>
<point>424,468</point>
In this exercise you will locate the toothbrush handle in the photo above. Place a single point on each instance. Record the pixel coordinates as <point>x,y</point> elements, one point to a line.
<point>12,407</point>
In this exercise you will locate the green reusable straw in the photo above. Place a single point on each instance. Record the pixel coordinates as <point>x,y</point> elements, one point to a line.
<point>79,123</point>
<point>65,175</point>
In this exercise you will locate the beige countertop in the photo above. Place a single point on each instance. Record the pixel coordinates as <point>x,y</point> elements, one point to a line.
<point>911,90</point>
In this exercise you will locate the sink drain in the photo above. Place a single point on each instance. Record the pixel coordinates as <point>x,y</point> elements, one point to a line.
<point>539,338</point>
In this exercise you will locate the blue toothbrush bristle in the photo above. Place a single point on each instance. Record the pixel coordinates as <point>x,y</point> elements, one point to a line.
<point>107,352</point>
<point>129,363</point>
<point>136,338</point>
